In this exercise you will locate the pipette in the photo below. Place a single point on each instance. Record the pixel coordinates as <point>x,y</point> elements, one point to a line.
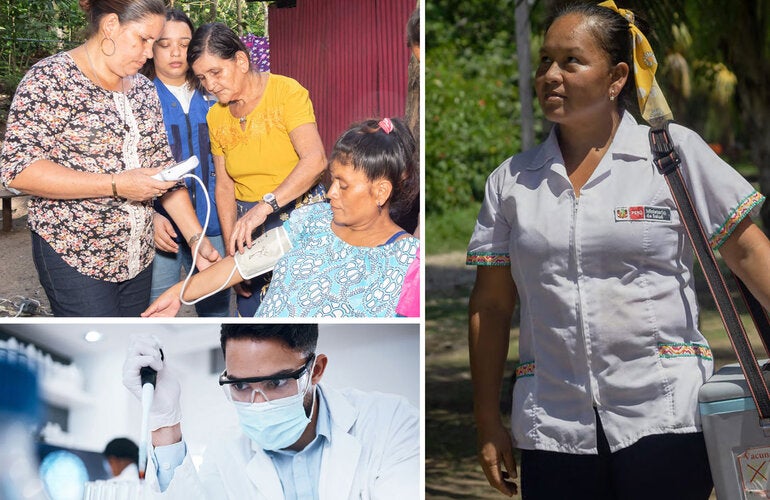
<point>148,376</point>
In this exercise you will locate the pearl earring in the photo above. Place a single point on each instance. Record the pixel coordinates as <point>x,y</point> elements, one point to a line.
<point>612,96</point>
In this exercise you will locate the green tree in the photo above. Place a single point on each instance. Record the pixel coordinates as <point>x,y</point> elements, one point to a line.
<point>33,29</point>
<point>471,98</point>
<point>739,37</point>
<point>730,62</point>
<point>240,15</point>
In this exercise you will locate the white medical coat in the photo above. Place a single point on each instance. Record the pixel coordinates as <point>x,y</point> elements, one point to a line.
<point>373,453</point>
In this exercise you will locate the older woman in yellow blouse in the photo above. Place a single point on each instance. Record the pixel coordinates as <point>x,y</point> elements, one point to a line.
<point>267,152</point>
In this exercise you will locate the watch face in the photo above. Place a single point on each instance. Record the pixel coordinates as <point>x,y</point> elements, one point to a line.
<point>269,198</point>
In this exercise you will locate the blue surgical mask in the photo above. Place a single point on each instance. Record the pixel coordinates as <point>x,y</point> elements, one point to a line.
<point>276,425</point>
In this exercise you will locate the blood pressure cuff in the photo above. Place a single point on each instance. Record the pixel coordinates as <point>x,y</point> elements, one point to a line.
<point>263,254</point>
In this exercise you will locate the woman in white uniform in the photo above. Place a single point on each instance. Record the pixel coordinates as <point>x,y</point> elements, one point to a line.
<point>582,232</point>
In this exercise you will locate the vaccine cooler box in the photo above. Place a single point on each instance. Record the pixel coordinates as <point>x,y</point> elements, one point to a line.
<point>738,445</point>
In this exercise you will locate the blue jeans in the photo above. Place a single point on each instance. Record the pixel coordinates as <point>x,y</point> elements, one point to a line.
<point>166,269</point>
<point>71,293</point>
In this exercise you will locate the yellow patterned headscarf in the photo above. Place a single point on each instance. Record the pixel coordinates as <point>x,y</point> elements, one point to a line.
<point>652,102</point>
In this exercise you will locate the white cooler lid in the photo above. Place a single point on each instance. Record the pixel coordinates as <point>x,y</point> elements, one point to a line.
<point>728,383</point>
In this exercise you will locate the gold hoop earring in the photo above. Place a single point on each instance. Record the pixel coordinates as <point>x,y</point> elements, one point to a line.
<point>101,46</point>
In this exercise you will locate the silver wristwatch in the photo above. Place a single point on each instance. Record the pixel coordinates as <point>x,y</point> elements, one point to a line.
<point>269,198</point>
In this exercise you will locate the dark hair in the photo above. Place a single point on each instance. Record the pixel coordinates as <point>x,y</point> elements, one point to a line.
<point>122,448</point>
<point>610,30</point>
<point>413,29</point>
<point>298,337</point>
<point>216,39</point>
<point>177,15</point>
<point>378,154</point>
<point>127,11</point>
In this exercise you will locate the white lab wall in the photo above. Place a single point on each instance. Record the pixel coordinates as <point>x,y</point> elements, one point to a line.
<point>369,357</point>
<point>112,411</point>
<point>382,358</point>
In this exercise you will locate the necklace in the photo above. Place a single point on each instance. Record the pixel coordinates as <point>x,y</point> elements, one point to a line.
<point>93,70</point>
<point>242,103</point>
<point>241,119</point>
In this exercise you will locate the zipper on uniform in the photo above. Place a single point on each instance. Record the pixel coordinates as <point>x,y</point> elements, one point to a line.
<point>580,325</point>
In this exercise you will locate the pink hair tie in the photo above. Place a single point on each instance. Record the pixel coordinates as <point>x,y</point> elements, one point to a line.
<point>386,125</point>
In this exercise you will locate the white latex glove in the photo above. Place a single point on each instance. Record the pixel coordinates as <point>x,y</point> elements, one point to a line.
<point>144,350</point>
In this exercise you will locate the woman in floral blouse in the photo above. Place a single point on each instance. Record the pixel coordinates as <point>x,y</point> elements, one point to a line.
<point>85,135</point>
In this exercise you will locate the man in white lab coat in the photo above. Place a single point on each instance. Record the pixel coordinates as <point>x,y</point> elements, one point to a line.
<point>298,439</point>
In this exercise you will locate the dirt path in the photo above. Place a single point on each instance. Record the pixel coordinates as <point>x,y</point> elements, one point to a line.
<point>451,469</point>
<point>19,276</point>
<point>446,271</point>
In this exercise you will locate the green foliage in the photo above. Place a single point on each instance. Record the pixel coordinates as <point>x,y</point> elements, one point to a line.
<point>472,104</point>
<point>252,14</point>
<point>470,96</point>
<point>33,29</point>
<point>451,230</point>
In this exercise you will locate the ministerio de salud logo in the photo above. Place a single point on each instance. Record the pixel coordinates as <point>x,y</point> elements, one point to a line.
<point>642,213</point>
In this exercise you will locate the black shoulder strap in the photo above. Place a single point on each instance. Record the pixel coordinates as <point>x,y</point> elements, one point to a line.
<point>667,161</point>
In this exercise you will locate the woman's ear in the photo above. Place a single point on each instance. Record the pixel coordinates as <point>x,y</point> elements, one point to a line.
<point>618,77</point>
<point>242,59</point>
<point>383,188</point>
<point>110,24</point>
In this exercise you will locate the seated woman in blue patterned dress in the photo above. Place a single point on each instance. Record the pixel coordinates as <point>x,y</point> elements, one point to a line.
<point>345,258</point>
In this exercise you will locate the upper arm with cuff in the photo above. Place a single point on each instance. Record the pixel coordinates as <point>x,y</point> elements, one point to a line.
<point>264,253</point>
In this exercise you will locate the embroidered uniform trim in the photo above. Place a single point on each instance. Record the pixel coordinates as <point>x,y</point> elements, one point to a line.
<point>746,206</point>
<point>487,259</point>
<point>525,369</point>
<point>680,350</point>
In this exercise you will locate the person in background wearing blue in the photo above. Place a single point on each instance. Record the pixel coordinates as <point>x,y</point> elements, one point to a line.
<point>185,106</point>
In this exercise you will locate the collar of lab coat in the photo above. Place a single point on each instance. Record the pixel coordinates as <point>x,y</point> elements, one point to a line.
<point>339,461</point>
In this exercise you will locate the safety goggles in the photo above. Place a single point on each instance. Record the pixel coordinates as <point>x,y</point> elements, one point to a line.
<point>272,388</point>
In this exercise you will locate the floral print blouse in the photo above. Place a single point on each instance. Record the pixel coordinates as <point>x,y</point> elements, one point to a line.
<point>59,115</point>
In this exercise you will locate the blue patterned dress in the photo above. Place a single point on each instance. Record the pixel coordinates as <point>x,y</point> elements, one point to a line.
<point>322,276</point>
